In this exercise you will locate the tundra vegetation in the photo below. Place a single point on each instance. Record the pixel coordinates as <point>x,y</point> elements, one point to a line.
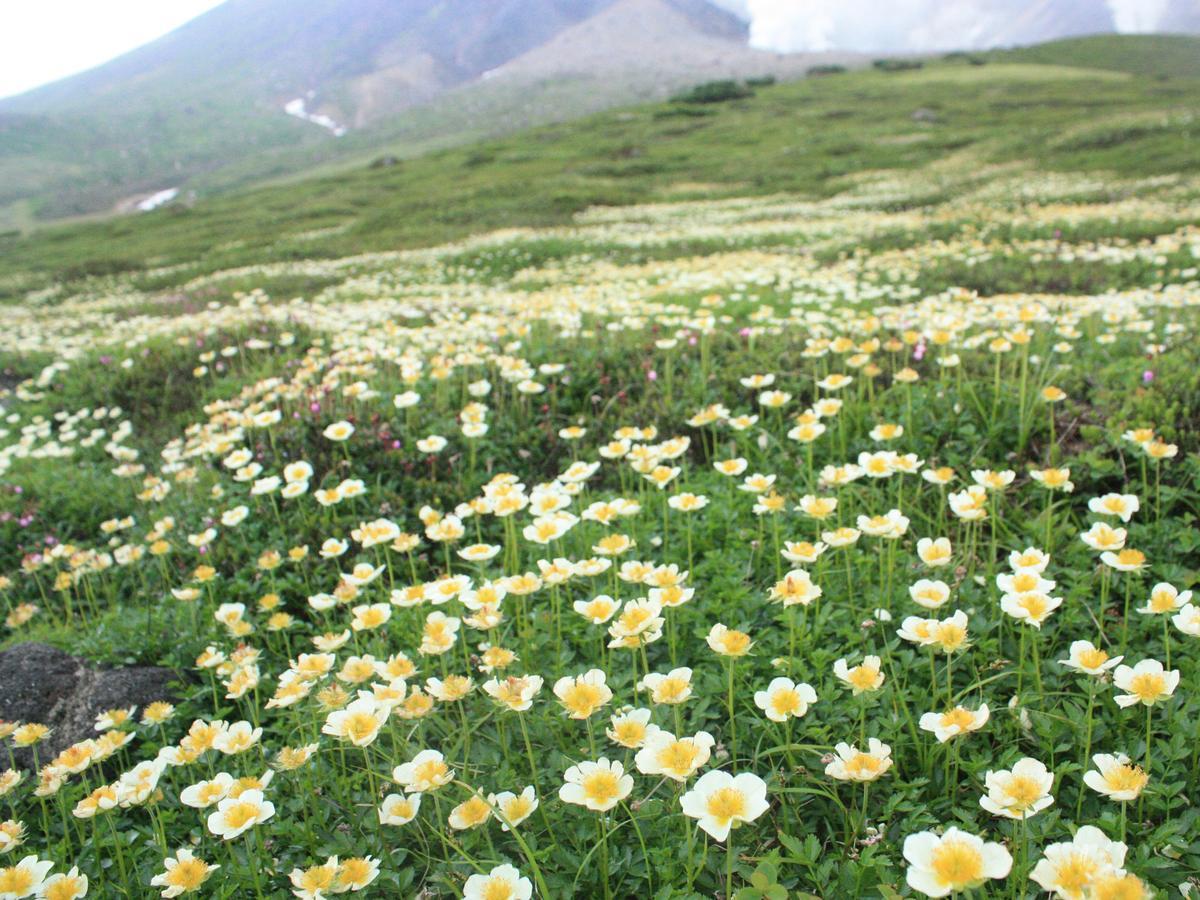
<point>781,543</point>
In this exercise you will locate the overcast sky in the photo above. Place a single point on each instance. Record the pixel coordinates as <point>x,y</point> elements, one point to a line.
<point>44,40</point>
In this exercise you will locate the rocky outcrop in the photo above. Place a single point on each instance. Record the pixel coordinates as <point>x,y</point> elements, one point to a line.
<point>40,683</point>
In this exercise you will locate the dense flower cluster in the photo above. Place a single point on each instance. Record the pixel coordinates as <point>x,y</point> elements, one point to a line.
<point>636,560</point>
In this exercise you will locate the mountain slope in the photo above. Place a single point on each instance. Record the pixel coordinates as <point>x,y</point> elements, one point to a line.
<point>648,37</point>
<point>257,90</point>
<point>813,137</point>
<point>218,90</point>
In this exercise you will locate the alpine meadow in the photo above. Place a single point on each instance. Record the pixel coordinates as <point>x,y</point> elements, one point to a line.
<point>787,490</point>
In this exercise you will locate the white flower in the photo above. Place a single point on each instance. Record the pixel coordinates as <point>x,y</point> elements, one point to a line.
<point>1147,682</point>
<point>929,593</point>
<point>935,553</point>
<point>1165,598</point>
<point>1116,777</point>
<point>1031,559</point>
<point>721,801</point>
<point>338,431</point>
<point>1121,505</point>
<point>674,758</point>
<point>1019,792</point>
<point>399,809</point>
<point>674,687</point>
<point>959,720</point>
<point>784,699</point>
<point>513,809</point>
<point>184,872</point>
<point>1086,657</point>
<point>427,771</point>
<point>1070,868</point>
<point>866,676</point>
<point>1187,620</point>
<point>598,785</point>
<point>955,861</point>
<point>236,815</point>
<point>502,882</point>
<point>204,794</point>
<point>852,764</point>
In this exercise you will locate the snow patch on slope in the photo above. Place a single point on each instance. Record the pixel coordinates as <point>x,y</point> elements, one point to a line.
<point>299,109</point>
<point>154,201</point>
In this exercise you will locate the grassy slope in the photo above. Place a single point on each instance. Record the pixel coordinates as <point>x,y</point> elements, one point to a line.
<point>792,137</point>
<point>1156,56</point>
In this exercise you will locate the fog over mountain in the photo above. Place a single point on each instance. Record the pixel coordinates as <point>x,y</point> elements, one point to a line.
<point>257,89</point>
<point>923,25</point>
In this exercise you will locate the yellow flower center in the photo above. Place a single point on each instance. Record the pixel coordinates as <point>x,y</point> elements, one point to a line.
<point>862,764</point>
<point>1093,659</point>
<point>735,643</point>
<point>1024,581</point>
<point>785,702</point>
<point>475,811</point>
<point>317,878</point>
<point>958,718</point>
<point>1023,791</point>
<point>16,880</point>
<point>1034,604</point>
<point>582,699</point>
<point>670,690</point>
<point>63,889</point>
<point>429,771</point>
<point>360,726</point>
<point>724,804</point>
<point>517,808</point>
<point>1075,873</point>
<point>863,677</point>
<point>1131,557</point>
<point>1119,887</point>
<point>239,815</point>
<point>497,889</point>
<point>629,733</point>
<point>601,787</point>
<point>632,619</point>
<point>1148,686</point>
<point>1162,601</point>
<point>1126,778</point>
<point>957,864</point>
<point>679,757</point>
<point>951,636</point>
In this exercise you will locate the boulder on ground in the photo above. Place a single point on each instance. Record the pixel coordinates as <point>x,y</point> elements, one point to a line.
<point>40,683</point>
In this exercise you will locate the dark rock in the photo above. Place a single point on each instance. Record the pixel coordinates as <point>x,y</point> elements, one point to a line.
<point>40,683</point>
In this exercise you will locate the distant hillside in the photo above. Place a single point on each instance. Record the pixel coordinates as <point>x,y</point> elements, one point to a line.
<point>256,91</point>
<point>266,87</point>
<point>813,137</point>
<point>1162,56</point>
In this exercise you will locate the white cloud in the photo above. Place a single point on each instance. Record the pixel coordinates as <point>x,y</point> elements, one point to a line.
<point>1134,16</point>
<point>906,25</point>
<point>44,40</point>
